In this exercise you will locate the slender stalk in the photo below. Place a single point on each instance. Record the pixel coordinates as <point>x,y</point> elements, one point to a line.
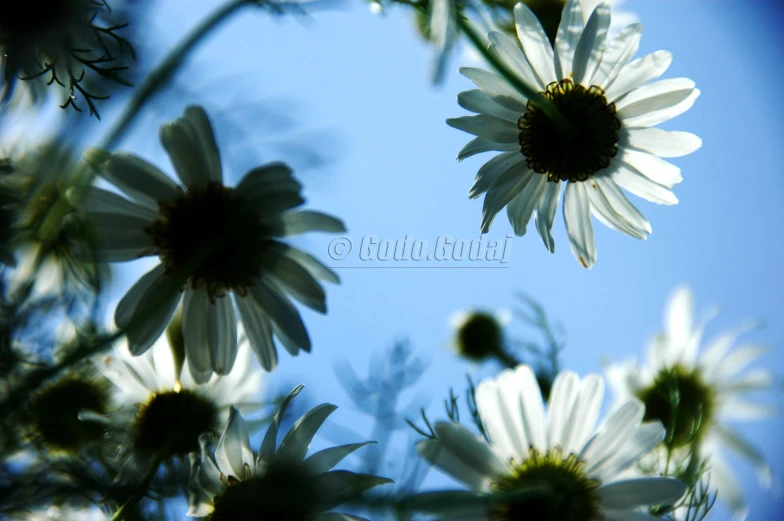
<point>533,95</point>
<point>159,76</point>
<point>132,501</point>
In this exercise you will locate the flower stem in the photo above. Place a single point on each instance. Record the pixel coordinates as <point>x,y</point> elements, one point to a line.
<point>531,94</point>
<point>159,76</point>
<point>139,492</point>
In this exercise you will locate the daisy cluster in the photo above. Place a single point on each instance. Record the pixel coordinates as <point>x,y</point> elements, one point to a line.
<point>169,401</point>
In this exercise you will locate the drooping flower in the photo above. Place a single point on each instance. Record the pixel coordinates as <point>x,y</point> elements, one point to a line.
<point>479,335</point>
<point>597,137</point>
<point>696,397</point>
<point>61,43</point>
<point>231,483</point>
<point>557,448</point>
<point>167,408</point>
<point>56,412</point>
<point>219,247</point>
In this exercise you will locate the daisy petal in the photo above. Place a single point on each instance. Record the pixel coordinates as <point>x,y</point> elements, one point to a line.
<point>270,178</point>
<point>195,306</point>
<point>506,188</point>
<point>325,460</point>
<point>233,452</point>
<point>490,172</point>
<point>663,143</point>
<point>180,142</point>
<point>535,44</point>
<point>480,145</point>
<point>269,443</point>
<point>641,186</point>
<point>603,210</point>
<point>646,438</point>
<point>632,493</point>
<point>307,261</point>
<point>152,309</point>
<point>282,312</point>
<point>205,138</point>
<point>118,237</point>
<point>508,51</point>
<point>497,88</point>
<point>488,127</point>
<point>562,397</point>
<point>638,72</point>
<point>736,443</point>
<point>295,223</point>
<point>297,281</point>
<point>469,449</point>
<point>295,444</point>
<point>581,422</point>
<point>589,48</point>
<point>97,200</point>
<point>621,204</point>
<point>616,431</point>
<point>567,37</point>
<point>545,213</point>
<point>221,336</point>
<point>520,209</point>
<point>436,454</point>
<point>577,214</point>
<point>656,103</point>
<point>477,101</point>
<point>617,55</point>
<point>259,331</point>
<point>139,179</point>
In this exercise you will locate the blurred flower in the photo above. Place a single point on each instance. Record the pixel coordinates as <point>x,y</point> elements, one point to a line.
<point>171,409</point>
<point>478,335</point>
<point>695,397</point>
<point>559,449</point>
<point>605,142</point>
<point>219,247</point>
<point>232,482</point>
<point>58,412</point>
<point>62,513</point>
<point>58,42</point>
<point>34,180</point>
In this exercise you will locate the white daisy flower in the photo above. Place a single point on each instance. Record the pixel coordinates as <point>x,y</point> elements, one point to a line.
<point>712,390</point>
<point>605,139</point>
<point>479,335</point>
<point>219,247</point>
<point>171,408</point>
<point>557,447</point>
<point>232,483</point>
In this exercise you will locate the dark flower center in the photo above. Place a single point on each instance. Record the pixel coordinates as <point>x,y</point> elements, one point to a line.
<point>172,422</point>
<point>56,411</point>
<point>211,233</point>
<point>682,402</point>
<point>284,492</point>
<point>572,496</point>
<point>480,336</point>
<point>574,153</point>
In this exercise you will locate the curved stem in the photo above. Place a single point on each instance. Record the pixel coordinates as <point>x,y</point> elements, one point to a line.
<point>166,69</point>
<point>139,493</point>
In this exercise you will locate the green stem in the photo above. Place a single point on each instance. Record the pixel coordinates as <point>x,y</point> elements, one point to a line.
<point>139,493</point>
<point>156,79</point>
<point>532,95</point>
<point>159,76</point>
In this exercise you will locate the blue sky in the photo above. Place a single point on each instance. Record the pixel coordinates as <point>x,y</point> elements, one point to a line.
<point>356,87</point>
